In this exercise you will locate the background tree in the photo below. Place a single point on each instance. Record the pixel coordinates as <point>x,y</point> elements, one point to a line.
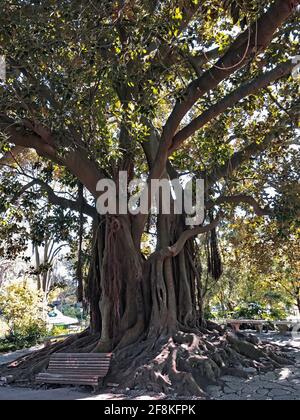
<point>260,278</point>
<point>21,307</point>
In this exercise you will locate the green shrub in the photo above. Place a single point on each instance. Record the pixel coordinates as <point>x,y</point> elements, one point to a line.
<point>74,311</point>
<point>25,337</point>
<point>255,310</point>
<point>59,330</point>
<point>22,309</point>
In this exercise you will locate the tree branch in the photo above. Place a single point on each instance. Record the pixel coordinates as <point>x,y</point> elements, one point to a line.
<point>229,101</point>
<point>20,135</point>
<point>174,250</point>
<point>35,136</point>
<point>238,158</point>
<point>251,42</point>
<point>198,61</point>
<point>10,157</point>
<point>240,199</point>
<point>56,200</point>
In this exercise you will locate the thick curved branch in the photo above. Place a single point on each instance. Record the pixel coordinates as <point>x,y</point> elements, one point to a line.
<point>20,135</point>
<point>174,250</point>
<point>232,99</point>
<point>243,49</point>
<point>199,60</point>
<point>37,137</point>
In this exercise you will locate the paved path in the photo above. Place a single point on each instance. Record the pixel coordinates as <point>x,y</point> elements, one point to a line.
<point>282,384</point>
<point>10,357</point>
<point>67,394</point>
<point>21,394</point>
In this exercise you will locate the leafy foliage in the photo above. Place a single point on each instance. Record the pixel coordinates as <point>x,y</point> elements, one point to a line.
<point>22,308</point>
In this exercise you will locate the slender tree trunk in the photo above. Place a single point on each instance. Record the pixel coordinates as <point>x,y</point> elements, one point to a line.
<point>38,264</point>
<point>298,304</point>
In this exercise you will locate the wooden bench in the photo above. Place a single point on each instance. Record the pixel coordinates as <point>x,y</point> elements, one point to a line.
<point>76,369</point>
<point>236,323</point>
<point>285,326</point>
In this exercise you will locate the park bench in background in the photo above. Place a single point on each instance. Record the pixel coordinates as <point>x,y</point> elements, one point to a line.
<point>76,369</point>
<point>236,323</point>
<point>283,326</point>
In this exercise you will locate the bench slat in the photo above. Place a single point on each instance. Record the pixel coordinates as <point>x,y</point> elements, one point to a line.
<point>95,371</point>
<point>62,376</point>
<point>79,369</point>
<point>79,361</point>
<point>86,374</point>
<point>76,368</point>
<point>74,364</point>
<point>82,362</point>
<point>82,355</point>
<point>69,382</point>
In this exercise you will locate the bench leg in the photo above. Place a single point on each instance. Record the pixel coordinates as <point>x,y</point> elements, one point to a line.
<point>259,328</point>
<point>283,329</point>
<point>235,327</point>
<point>96,388</point>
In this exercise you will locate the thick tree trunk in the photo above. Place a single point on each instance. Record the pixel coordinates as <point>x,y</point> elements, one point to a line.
<point>114,289</point>
<point>130,297</point>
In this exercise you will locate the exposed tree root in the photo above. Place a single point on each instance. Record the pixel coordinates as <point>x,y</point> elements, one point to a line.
<point>182,363</point>
<point>186,363</point>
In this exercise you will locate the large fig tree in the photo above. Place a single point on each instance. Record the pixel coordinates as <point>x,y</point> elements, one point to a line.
<point>159,90</point>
